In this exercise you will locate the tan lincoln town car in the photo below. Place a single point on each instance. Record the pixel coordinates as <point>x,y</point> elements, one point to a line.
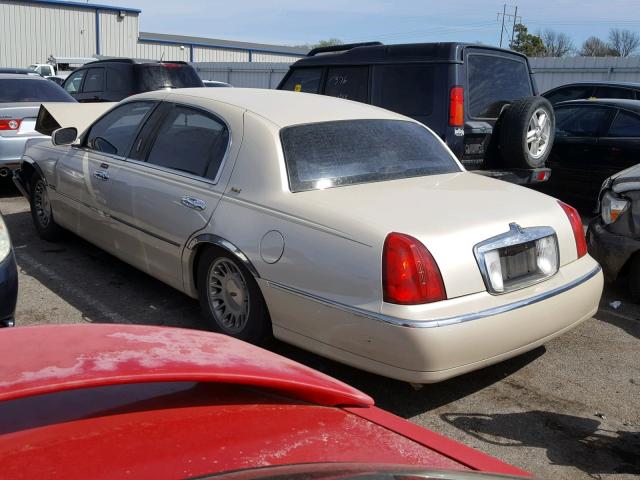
<point>339,227</point>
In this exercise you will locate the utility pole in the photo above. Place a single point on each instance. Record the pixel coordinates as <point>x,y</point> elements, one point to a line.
<point>507,17</point>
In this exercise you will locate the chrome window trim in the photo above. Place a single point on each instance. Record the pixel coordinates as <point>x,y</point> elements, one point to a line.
<point>443,321</point>
<point>515,236</point>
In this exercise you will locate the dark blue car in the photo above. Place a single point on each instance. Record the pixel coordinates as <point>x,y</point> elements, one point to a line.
<point>8,278</point>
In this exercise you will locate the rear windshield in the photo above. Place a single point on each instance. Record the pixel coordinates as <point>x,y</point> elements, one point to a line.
<point>495,81</point>
<point>334,154</point>
<point>31,90</point>
<point>167,75</point>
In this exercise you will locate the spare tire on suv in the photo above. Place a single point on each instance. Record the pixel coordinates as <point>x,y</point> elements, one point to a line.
<point>527,130</point>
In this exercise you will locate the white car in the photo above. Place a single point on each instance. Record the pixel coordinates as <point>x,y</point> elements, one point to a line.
<point>345,229</point>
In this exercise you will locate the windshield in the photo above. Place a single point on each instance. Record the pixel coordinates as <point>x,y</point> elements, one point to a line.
<point>166,75</point>
<point>31,90</point>
<point>333,154</point>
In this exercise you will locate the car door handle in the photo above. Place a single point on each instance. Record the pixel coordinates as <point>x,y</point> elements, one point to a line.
<point>101,174</point>
<point>194,203</point>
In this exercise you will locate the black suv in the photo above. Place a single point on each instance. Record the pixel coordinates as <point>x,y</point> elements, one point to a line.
<point>115,79</point>
<point>482,101</point>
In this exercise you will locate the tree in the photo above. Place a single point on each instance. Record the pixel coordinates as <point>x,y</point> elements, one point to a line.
<point>556,44</point>
<point>527,43</point>
<point>623,42</point>
<point>328,43</point>
<point>594,47</point>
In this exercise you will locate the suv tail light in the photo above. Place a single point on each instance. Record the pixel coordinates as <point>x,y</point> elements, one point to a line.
<point>576,226</point>
<point>456,107</point>
<point>410,275</point>
<point>13,124</point>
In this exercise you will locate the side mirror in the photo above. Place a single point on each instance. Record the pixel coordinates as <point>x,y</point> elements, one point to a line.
<point>64,136</point>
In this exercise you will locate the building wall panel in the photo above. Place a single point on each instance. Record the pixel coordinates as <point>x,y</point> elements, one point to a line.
<point>206,54</point>
<point>273,57</point>
<point>244,74</point>
<point>156,51</point>
<point>30,33</point>
<point>118,34</point>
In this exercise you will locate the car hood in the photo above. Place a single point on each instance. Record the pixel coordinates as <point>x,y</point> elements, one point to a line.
<point>449,214</point>
<point>625,180</point>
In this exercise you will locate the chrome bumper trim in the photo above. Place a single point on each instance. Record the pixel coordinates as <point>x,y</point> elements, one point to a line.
<point>445,321</point>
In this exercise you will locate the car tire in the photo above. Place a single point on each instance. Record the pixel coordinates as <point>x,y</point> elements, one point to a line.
<point>41,212</point>
<point>230,298</point>
<point>527,133</point>
<point>634,279</point>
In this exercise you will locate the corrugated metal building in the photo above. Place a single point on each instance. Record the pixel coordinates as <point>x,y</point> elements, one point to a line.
<point>33,30</point>
<point>552,72</point>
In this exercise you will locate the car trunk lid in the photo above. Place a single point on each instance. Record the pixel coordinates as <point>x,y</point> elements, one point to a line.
<point>24,114</point>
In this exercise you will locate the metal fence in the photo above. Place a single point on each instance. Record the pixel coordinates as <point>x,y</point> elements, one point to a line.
<point>552,72</point>
<point>244,74</point>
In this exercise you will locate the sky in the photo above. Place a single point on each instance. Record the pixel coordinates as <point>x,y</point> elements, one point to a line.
<point>297,22</point>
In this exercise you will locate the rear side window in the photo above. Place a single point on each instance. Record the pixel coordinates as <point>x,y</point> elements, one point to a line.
<point>613,92</point>
<point>190,141</point>
<point>334,154</point>
<point>570,93</point>
<point>166,75</point>
<point>94,81</point>
<point>350,83</point>
<point>580,121</point>
<point>406,89</point>
<point>119,80</point>
<point>493,82</point>
<point>625,125</point>
<point>304,80</point>
<point>31,90</point>
<point>114,133</point>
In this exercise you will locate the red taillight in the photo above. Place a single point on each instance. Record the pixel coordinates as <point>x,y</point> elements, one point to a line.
<point>456,107</point>
<point>576,226</point>
<point>171,65</point>
<point>13,124</point>
<point>410,275</point>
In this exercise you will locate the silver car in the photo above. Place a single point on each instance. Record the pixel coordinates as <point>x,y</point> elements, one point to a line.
<point>20,99</point>
<point>339,227</point>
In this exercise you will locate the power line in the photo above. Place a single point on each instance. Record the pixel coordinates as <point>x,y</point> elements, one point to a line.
<point>508,17</point>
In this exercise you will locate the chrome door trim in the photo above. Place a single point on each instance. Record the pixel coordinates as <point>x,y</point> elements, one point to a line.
<point>146,232</point>
<point>443,321</point>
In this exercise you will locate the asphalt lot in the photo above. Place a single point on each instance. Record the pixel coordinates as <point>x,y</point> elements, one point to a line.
<point>568,410</point>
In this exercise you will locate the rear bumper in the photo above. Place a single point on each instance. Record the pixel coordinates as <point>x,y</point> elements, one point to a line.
<point>610,250</point>
<point>460,335</point>
<point>8,290</point>
<point>12,148</point>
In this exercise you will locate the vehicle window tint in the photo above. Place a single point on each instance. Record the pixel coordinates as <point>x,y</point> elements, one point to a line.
<point>493,82</point>
<point>350,83</point>
<point>156,76</point>
<point>580,121</point>
<point>625,125</point>
<point>31,90</point>
<point>114,133</point>
<point>190,141</point>
<point>613,92</point>
<point>119,80</point>
<point>569,93</point>
<point>94,81</point>
<point>333,154</point>
<point>72,84</point>
<point>406,89</point>
<point>304,80</point>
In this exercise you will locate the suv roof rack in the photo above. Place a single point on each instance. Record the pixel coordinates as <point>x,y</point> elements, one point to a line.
<point>341,48</point>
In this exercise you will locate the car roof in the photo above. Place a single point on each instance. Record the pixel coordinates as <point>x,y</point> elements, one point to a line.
<point>596,83</point>
<point>20,76</point>
<point>633,105</point>
<point>282,108</point>
<point>440,52</point>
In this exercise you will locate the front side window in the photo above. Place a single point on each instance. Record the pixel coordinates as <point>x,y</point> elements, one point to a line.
<point>406,89</point>
<point>338,153</point>
<point>625,125</point>
<point>580,121</point>
<point>114,133</point>
<point>350,83</point>
<point>190,141</point>
<point>495,81</point>
<point>94,81</point>
<point>304,80</point>
<point>72,84</point>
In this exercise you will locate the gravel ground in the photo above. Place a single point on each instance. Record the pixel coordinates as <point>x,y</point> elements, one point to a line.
<point>568,410</point>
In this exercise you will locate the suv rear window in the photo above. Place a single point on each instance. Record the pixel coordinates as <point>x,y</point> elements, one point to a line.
<point>166,75</point>
<point>493,82</point>
<point>338,153</point>
<point>31,90</point>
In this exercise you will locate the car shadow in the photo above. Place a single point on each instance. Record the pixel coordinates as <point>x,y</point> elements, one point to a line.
<point>617,309</point>
<point>568,440</point>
